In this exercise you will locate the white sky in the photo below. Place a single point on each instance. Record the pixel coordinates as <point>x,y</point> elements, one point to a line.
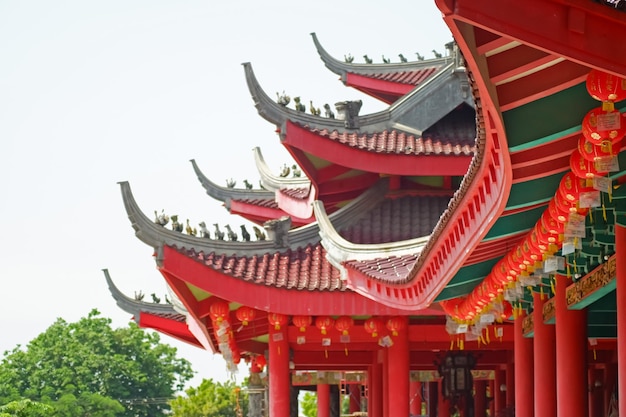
<point>96,92</point>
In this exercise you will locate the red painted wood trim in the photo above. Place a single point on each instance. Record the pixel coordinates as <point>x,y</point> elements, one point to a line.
<point>274,299</point>
<point>260,215</point>
<point>173,328</point>
<point>385,88</point>
<point>552,26</point>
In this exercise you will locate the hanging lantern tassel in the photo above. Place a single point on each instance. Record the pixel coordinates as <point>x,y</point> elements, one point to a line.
<point>462,340</point>
<point>487,334</point>
<point>595,355</point>
<point>451,343</point>
<point>326,353</point>
<point>552,286</point>
<point>345,349</point>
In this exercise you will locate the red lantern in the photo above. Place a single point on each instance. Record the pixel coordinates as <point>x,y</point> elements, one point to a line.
<point>544,236</point>
<point>219,311</point>
<point>396,324</point>
<point>302,322</point>
<point>553,226</point>
<point>529,252</point>
<point>597,151</point>
<point>513,268</point>
<point>583,168</point>
<point>603,86</point>
<point>501,273</point>
<point>507,310</point>
<point>558,211</point>
<point>450,307</point>
<point>373,326</point>
<point>599,126</point>
<point>324,323</point>
<point>343,324</point>
<point>571,186</point>
<point>277,320</point>
<point>245,314</point>
<point>258,363</point>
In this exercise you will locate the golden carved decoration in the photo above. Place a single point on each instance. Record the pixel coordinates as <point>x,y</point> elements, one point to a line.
<point>590,283</point>
<point>528,324</point>
<point>549,309</point>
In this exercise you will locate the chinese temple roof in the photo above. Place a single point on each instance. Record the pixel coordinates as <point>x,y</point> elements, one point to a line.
<point>165,318</point>
<point>385,81</point>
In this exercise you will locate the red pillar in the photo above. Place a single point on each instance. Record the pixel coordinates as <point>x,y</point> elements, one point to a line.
<point>620,294</point>
<point>544,354</point>
<point>415,398</point>
<point>596,400</point>
<point>432,399</point>
<point>279,391</point>
<point>355,398</point>
<point>323,400</point>
<point>443,407</point>
<point>480,396</point>
<point>499,399</point>
<point>398,371</point>
<point>375,387</point>
<point>571,345</point>
<point>509,385</point>
<point>524,398</point>
<point>490,397</point>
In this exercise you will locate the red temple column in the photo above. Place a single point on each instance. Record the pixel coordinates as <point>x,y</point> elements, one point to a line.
<point>443,407</point>
<point>480,398</point>
<point>596,400</point>
<point>524,398</point>
<point>398,370</point>
<point>323,400</point>
<point>571,360</point>
<point>278,368</point>
<point>432,399</point>
<point>544,354</point>
<point>499,399</point>
<point>375,387</point>
<point>490,395</point>
<point>509,385</point>
<point>415,398</point>
<point>355,398</point>
<point>620,294</point>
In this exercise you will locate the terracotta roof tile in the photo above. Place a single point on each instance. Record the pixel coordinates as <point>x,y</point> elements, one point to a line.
<point>297,193</point>
<point>269,203</point>
<point>386,269</point>
<point>455,134</point>
<point>397,142</point>
<point>303,268</point>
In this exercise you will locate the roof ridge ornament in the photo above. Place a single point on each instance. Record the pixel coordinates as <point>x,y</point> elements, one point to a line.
<point>348,111</point>
<point>273,182</point>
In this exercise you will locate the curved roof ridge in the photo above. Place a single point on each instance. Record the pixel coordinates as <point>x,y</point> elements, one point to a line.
<point>157,236</point>
<point>226,194</point>
<point>134,306</point>
<point>341,68</point>
<point>413,113</point>
<point>273,182</point>
<point>340,250</point>
<point>275,113</point>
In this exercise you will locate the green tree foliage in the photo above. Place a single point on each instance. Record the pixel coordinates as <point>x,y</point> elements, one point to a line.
<point>212,399</point>
<point>89,369</point>
<point>25,408</point>
<point>308,404</point>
